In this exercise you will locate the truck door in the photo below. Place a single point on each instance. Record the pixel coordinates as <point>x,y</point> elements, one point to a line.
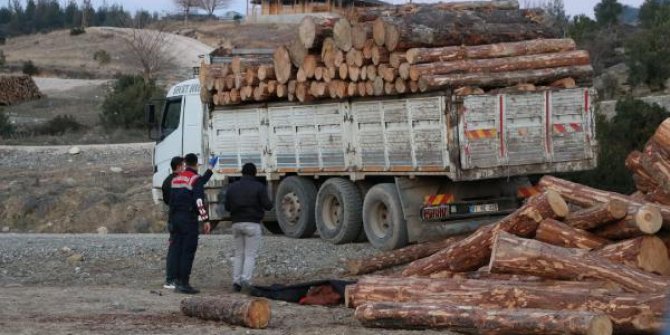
<point>192,142</point>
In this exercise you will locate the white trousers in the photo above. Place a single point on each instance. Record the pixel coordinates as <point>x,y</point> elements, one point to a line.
<point>247,241</point>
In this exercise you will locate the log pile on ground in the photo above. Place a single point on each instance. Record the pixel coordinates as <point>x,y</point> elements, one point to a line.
<point>17,89</point>
<point>600,268</point>
<point>472,47</point>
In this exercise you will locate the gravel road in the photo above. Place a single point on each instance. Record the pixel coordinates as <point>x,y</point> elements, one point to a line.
<point>111,284</point>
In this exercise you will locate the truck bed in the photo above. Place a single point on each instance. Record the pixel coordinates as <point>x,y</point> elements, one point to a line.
<point>468,138</point>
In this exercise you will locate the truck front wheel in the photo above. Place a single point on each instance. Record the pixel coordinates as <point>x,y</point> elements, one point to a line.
<point>294,205</point>
<point>338,211</point>
<point>383,219</point>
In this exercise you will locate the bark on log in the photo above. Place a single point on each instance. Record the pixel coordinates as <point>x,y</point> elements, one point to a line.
<point>429,28</point>
<point>598,215</point>
<point>562,235</point>
<point>657,167</point>
<point>647,253</point>
<point>234,310</point>
<point>506,64</point>
<point>366,14</point>
<point>643,180</point>
<point>512,254</point>
<point>502,79</point>
<point>512,49</point>
<point>586,196</point>
<point>342,34</point>
<point>630,313</point>
<point>658,195</point>
<point>481,320</point>
<point>312,31</point>
<point>662,136</point>
<point>645,220</point>
<point>474,251</point>
<point>282,65</point>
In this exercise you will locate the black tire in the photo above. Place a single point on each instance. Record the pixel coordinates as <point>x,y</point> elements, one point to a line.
<point>339,208</point>
<point>294,204</point>
<point>273,227</point>
<point>383,219</point>
<point>363,187</point>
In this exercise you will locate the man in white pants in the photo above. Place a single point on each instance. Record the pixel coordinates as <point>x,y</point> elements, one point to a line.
<point>246,200</point>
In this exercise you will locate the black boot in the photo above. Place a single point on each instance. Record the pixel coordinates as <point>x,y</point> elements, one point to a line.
<point>186,288</point>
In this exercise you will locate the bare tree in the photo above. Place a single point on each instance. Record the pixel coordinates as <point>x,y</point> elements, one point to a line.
<point>210,6</point>
<point>186,6</point>
<point>150,50</point>
<point>85,10</point>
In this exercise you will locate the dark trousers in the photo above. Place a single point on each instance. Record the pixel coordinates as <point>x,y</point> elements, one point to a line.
<point>183,245</point>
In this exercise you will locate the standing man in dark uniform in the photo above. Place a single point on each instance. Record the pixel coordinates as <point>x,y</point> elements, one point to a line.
<point>177,166</point>
<point>187,208</point>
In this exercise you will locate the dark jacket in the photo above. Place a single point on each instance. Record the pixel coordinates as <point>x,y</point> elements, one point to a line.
<point>187,193</point>
<point>167,185</point>
<point>247,200</point>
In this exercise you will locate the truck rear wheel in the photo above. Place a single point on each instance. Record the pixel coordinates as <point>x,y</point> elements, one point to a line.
<point>294,204</point>
<point>383,219</point>
<point>339,207</point>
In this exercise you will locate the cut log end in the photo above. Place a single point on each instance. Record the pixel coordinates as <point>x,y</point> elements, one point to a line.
<point>653,256</point>
<point>558,205</point>
<point>600,325</point>
<point>649,220</point>
<point>259,313</point>
<point>342,34</point>
<point>617,208</point>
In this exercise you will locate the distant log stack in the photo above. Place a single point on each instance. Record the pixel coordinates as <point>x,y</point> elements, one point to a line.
<point>17,89</point>
<point>490,45</point>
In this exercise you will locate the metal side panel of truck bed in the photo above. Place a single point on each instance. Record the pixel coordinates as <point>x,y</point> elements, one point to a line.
<point>469,138</point>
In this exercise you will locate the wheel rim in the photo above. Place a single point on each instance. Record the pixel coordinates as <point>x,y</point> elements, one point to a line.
<point>381,220</point>
<point>291,208</point>
<point>332,212</point>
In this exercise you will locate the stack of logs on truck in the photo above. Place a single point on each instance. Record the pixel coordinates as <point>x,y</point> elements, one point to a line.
<point>473,47</point>
<point>571,260</point>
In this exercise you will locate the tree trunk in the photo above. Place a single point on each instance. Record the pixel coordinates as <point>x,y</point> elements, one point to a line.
<point>512,49</point>
<point>482,320</point>
<point>282,65</point>
<point>503,79</point>
<point>430,28</point>
<point>312,31</point>
<point>505,64</point>
<point>234,310</point>
<point>562,235</point>
<point>647,253</point>
<point>512,254</point>
<point>475,250</point>
<point>630,313</point>
<point>645,220</point>
<point>598,215</point>
<point>586,196</point>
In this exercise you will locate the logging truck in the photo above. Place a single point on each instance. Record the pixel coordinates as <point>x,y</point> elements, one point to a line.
<point>391,170</point>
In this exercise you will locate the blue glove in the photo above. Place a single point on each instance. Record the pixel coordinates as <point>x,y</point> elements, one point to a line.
<point>213,160</point>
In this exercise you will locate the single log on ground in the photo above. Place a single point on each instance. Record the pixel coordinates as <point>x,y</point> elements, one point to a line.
<point>482,320</point>
<point>598,215</point>
<point>645,220</point>
<point>647,253</point>
<point>475,250</point>
<point>282,65</point>
<point>506,64</point>
<point>342,34</point>
<point>512,254</point>
<point>512,49</point>
<point>586,196</point>
<point>429,28</point>
<point>312,31</point>
<point>234,310</point>
<point>630,313</point>
<point>562,235</point>
<point>503,79</point>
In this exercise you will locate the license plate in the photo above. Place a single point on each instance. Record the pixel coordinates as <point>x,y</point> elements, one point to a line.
<point>435,213</point>
<point>484,208</point>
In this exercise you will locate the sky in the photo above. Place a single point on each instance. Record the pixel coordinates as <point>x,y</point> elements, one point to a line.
<point>573,7</point>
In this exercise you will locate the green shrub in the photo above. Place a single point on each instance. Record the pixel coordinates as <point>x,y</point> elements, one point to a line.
<point>59,125</point>
<point>6,127</point>
<point>29,68</point>
<point>102,57</point>
<point>77,31</point>
<point>632,126</point>
<point>124,105</point>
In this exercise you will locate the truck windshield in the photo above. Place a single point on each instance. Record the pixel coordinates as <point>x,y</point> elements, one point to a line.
<point>171,116</point>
